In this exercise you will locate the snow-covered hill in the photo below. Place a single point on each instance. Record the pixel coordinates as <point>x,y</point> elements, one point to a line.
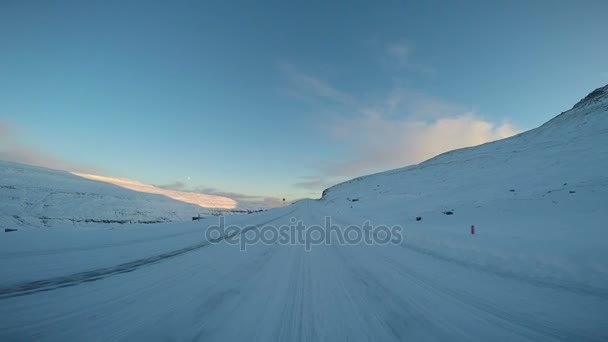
<point>539,200</point>
<point>32,196</point>
<point>570,151</point>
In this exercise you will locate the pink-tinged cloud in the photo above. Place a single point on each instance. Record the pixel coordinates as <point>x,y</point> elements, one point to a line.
<point>251,201</point>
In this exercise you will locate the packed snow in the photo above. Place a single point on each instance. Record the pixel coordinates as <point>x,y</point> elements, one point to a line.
<point>536,268</point>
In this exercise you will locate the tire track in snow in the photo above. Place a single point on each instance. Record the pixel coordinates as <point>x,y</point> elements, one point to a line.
<point>569,287</point>
<point>526,325</point>
<point>528,322</point>
<point>573,287</point>
<point>399,316</point>
<point>31,287</point>
<point>94,247</point>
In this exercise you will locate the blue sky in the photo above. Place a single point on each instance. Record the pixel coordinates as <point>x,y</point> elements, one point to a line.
<point>281,99</point>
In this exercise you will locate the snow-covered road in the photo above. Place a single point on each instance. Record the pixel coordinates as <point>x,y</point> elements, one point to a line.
<point>194,290</point>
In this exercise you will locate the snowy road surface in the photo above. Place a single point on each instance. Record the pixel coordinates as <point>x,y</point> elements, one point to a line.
<point>215,292</point>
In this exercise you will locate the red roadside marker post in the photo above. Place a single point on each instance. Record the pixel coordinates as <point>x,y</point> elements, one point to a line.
<point>472,230</point>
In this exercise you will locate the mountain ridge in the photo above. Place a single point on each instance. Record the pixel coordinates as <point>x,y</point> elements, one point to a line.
<point>583,115</point>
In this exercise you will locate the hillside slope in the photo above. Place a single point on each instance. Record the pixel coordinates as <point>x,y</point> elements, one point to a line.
<point>539,200</point>
<point>570,148</point>
<point>38,197</point>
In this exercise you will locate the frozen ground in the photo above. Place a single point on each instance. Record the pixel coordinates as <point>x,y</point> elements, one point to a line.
<point>536,269</point>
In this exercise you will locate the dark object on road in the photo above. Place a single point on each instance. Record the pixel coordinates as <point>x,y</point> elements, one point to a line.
<point>572,191</point>
<point>8,230</point>
<point>449,212</point>
<point>418,218</point>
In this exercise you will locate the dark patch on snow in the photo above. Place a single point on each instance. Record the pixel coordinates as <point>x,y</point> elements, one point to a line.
<point>45,220</point>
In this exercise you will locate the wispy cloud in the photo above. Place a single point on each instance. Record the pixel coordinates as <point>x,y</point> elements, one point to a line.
<point>173,186</point>
<point>399,52</point>
<point>268,201</point>
<point>12,148</point>
<point>5,130</point>
<point>313,183</point>
<point>399,55</point>
<point>307,85</point>
<point>262,201</point>
<point>404,128</point>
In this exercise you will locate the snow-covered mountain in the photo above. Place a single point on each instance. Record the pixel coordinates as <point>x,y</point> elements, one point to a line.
<point>568,153</point>
<point>539,200</point>
<point>33,196</point>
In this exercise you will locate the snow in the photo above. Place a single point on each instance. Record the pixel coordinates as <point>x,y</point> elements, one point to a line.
<point>535,270</point>
<point>202,200</point>
<point>35,197</point>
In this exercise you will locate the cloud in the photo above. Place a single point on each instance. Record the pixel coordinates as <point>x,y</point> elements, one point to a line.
<point>235,195</point>
<point>5,130</point>
<point>262,201</point>
<point>402,102</point>
<point>266,201</point>
<point>272,202</point>
<point>173,186</point>
<point>380,143</point>
<point>307,85</point>
<point>399,56</point>
<point>399,52</point>
<point>313,183</point>
<point>13,149</point>
<point>404,128</point>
